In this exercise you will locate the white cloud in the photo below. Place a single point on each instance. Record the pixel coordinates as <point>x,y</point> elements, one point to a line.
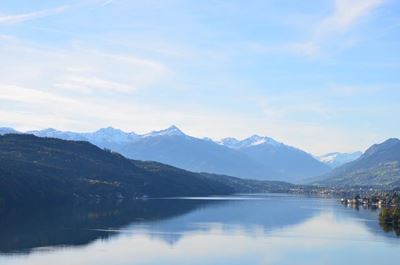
<point>86,84</point>
<point>14,19</point>
<point>27,95</point>
<point>77,69</point>
<point>77,88</point>
<point>347,91</point>
<point>28,108</point>
<point>106,3</point>
<point>346,13</point>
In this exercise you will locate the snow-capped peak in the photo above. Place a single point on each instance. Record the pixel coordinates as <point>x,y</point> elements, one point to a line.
<point>111,134</point>
<point>258,140</point>
<point>109,131</point>
<point>49,132</point>
<point>228,142</point>
<point>337,159</point>
<point>7,130</point>
<point>254,140</point>
<point>250,141</point>
<point>170,131</point>
<point>53,133</point>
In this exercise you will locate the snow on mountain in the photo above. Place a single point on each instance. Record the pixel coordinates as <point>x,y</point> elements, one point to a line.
<point>104,137</point>
<point>52,133</point>
<point>111,134</point>
<point>337,159</point>
<point>254,157</point>
<point>379,165</point>
<point>228,142</point>
<point>258,140</point>
<point>6,130</point>
<point>250,141</point>
<point>170,131</point>
<point>101,136</point>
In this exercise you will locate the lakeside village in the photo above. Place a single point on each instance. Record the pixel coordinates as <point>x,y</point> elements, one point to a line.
<point>364,195</point>
<point>386,199</point>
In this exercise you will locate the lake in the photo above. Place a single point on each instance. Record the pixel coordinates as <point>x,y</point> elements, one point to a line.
<point>244,229</point>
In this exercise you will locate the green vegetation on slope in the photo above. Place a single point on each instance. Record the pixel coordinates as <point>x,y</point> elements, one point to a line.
<point>378,166</point>
<point>54,171</point>
<point>51,170</point>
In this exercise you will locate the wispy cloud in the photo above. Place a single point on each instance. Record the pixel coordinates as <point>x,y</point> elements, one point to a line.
<point>86,84</point>
<point>148,65</point>
<point>18,18</point>
<point>106,3</point>
<point>345,15</point>
<point>349,91</point>
<point>78,70</point>
<point>81,88</point>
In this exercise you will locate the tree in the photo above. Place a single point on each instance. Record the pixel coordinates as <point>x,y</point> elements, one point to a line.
<point>396,215</point>
<point>385,216</point>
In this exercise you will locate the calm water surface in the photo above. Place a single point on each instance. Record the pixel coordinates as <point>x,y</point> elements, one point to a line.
<point>257,229</point>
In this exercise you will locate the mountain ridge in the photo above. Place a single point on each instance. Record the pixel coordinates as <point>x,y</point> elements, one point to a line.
<point>54,171</point>
<point>255,157</point>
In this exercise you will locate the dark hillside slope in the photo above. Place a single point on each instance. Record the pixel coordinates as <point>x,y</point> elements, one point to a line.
<point>53,170</point>
<point>48,170</point>
<point>379,165</point>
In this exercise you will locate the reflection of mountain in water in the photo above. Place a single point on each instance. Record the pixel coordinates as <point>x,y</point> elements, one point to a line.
<point>32,228</point>
<point>166,219</point>
<point>246,213</point>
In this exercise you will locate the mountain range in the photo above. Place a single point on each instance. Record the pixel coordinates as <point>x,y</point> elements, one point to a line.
<point>379,165</point>
<point>256,157</point>
<point>54,171</point>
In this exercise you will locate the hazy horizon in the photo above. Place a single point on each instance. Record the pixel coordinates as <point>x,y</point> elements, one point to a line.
<point>318,75</point>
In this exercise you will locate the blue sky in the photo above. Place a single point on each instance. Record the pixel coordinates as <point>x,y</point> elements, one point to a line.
<point>320,75</point>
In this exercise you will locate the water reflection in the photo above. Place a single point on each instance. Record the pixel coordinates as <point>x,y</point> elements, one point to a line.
<point>235,230</point>
<point>375,222</point>
<point>30,228</point>
<point>390,228</point>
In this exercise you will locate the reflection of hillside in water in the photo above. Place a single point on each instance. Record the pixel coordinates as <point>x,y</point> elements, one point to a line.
<point>370,217</point>
<point>165,219</point>
<point>31,228</point>
<point>390,228</point>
